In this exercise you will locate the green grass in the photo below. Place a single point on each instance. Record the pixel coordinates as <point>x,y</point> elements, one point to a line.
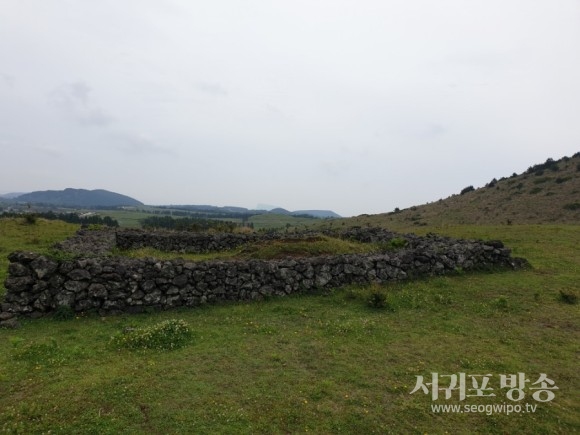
<point>132,219</point>
<point>277,221</point>
<point>268,250</point>
<point>320,363</point>
<point>127,218</point>
<point>16,234</point>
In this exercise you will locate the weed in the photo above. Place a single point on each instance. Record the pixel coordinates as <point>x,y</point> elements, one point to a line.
<point>572,206</point>
<point>568,297</point>
<point>63,312</point>
<point>30,219</point>
<point>166,335</point>
<point>501,303</point>
<point>351,294</point>
<point>397,243</point>
<point>377,299</point>
<point>39,354</point>
<point>561,180</point>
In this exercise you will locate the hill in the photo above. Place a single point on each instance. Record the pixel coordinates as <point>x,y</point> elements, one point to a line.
<point>548,192</point>
<point>317,213</point>
<point>11,195</point>
<point>78,198</point>
<point>212,211</point>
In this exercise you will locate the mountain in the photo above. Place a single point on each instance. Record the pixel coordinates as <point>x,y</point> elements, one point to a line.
<point>317,213</point>
<point>78,198</point>
<point>548,192</point>
<point>11,195</point>
<point>280,210</point>
<point>209,210</point>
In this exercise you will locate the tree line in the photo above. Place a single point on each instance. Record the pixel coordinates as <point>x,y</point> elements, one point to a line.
<point>71,218</point>
<point>188,224</point>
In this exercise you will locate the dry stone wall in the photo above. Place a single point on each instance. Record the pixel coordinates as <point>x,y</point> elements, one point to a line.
<point>38,284</point>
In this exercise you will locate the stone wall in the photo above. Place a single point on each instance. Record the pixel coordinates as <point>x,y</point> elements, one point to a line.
<point>37,284</point>
<point>187,242</point>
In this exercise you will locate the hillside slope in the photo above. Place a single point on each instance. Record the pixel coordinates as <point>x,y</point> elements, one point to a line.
<point>546,193</point>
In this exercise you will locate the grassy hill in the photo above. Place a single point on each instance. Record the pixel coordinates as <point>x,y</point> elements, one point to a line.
<point>78,198</point>
<point>545,193</point>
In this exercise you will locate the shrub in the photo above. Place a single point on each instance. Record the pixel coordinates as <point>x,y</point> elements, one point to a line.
<point>467,189</point>
<point>377,299</point>
<point>539,169</point>
<point>572,206</point>
<point>535,190</point>
<point>492,183</point>
<point>30,218</point>
<point>561,180</point>
<point>63,312</point>
<point>501,303</point>
<point>541,180</point>
<point>397,242</point>
<point>568,297</point>
<point>166,335</point>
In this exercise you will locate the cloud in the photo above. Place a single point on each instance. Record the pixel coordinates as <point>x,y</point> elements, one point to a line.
<point>214,89</point>
<point>74,100</point>
<point>49,151</point>
<point>7,79</point>
<point>136,144</point>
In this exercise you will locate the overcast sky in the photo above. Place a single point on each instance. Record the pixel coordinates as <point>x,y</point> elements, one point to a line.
<point>356,106</point>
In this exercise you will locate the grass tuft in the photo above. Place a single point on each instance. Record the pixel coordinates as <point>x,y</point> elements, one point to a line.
<point>167,335</point>
<point>568,297</point>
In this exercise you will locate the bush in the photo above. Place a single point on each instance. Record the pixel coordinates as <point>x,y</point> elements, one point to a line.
<point>539,169</point>
<point>568,297</point>
<point>561,180</point>
<point>467,189</point>
<point>30,218</point>
<point>501,303</point>
<point>492,183</point>
<point>572,206</point>
<point>63,312</point>
<point>377,299</point>
<point>166,335</point>
<point>397,242</point>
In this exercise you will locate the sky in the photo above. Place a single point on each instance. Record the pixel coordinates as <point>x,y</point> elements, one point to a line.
<point>355,106</point>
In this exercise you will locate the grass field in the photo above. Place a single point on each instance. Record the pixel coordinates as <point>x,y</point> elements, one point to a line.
<point>318,364</point>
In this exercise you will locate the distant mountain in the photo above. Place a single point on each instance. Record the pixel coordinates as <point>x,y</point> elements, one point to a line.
<point>78,198</point>
<point>280,210</point>
<point>547,192</point>
<point>208,210</point>
<point>11,195</point>
<point>317,213</point>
